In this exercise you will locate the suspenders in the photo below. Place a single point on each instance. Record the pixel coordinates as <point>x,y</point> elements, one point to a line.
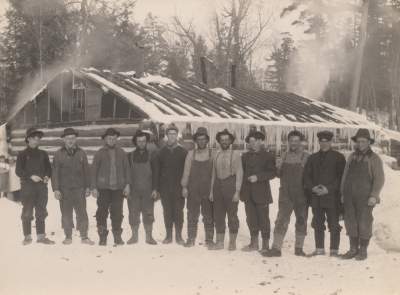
<point>230,162</point>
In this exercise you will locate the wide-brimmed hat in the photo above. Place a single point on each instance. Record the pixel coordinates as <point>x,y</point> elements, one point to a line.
<point>201,131</point>
<point>255,134</point>
<point>224,132</point>
<point>170,127</point>
<point>364,133</point>
<point>325,135</point>
<point>69,131</point>
<point>140,133</point>
<point>296,133</point>
<point>32,132</point>
<point>110,131</point>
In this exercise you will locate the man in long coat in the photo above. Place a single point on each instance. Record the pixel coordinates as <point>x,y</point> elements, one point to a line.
<point>362,183</point>
<point>171,161</point>
<point>196,184</point>
<point>292,197</point>
<point>258,170</point>
<point>322,176</point>
<point>71,184</point>
<point>110,184</point>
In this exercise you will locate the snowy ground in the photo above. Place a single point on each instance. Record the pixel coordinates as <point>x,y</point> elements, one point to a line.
<point>172,269</point>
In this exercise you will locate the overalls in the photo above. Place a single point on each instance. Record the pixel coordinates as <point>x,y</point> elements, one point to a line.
<point>223,192</point>
<point>199,190</point>
<point>291,198</point>
<point>358,217</point>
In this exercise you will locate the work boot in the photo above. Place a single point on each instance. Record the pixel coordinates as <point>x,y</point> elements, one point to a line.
<point>362,253</point>
<point>273,252</point>
<point>42,239</point>
<point>299,252</point>
<point>87,241</point>
<point>27,240</point>
<point>219,245</point>
<point>178,235</point>
<point>149,234</point>
<point>317,252</point>
<point>253,246</point>
<point>209,232</point>
<point>354,243</point>
<point>168,237</point>
<point>67,241</point>
<point>232,242</point>
<point>117,237</point>
<point>189,243</point>
<point>103,233</point>
<point>334,253</point>
<point>265,245</point>
<point>135,235</point>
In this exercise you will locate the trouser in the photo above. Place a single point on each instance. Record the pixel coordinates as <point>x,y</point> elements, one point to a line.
<point>34,196</point>
<point>141,203</point>
<point>320,215</point>
<point>257,218</point>
<point>283,219</point>
<point>173,205</point>
<point>358,218</point>
<point>110,201</point>
<point>74,199</point>
<point>224,206</point>
<point>194,205</point>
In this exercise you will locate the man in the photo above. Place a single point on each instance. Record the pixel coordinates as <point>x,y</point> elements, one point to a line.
<point>291,196</point>
<point>110,183</point>
<point>143,170</point>
<point>362,183</point>
<point>34,170</point>
<point>196,184</point>
<point>226,183</point>
<point>322,176</point>
<point>171,161</point>
<point>71,185</point>
<point>258,170</point>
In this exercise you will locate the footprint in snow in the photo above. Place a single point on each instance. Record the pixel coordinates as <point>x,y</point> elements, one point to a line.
<point>278,277</point>
<point>100,271</point>
<point>65,258</point>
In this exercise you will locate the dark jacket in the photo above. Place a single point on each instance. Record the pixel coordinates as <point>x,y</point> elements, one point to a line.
<point>70,170</point>
<point>101,168</point>
<point>324,168</point>
<point>261,164</point>
<point>171,162</point>
<point>32,162</point>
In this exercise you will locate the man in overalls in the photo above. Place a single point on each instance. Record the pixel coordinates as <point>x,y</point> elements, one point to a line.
<point>226,183</point>
<point>196,184</point>
<point>258,170</point>
<point>143,168</point>
<point>362,183</point>
<point>291,196</point>
<point>322,176</point>
<point>171,161</point>
<point>34,169</point>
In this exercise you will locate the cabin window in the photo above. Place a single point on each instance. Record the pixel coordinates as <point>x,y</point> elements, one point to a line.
<point>121,109</point>
<point>42,107</point>
<point>107,105</point>
<point>78,104</point>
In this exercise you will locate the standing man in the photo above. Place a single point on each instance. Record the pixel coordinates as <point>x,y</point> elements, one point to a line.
<point>291,196</point>
<point>322,177</point>
<point>362,183</point>
<point>196,184</point>
<point>171,161</point>
<point>143,170</point>
<point>34,169</point>
<point>110,183</point>
<point>71,185</point>
<point>226,183</point>
<point>258,170</point>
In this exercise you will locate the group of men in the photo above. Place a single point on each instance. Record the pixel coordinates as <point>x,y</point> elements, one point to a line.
<point>211,184</point>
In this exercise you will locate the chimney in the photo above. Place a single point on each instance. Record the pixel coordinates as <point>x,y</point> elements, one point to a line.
<point>233,76</point>
<point>203,69</point>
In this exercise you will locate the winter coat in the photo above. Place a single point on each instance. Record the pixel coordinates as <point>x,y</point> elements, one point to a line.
<point>32,162</point>
<point>261,164</point>
<point>70,170</point>
<point>324,168</point>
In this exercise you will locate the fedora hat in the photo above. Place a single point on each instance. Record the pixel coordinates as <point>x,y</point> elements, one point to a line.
<point>32,132</point>
<point>224,132</point>
<point>140,133</point>
<point>170,127</point>
<point>296,133</point>
<point>325,135</point>
<point>201,131</point>
<point>69,131</point>
<point>364,133</point>
<point>110,131</point>
<point>255,134</point>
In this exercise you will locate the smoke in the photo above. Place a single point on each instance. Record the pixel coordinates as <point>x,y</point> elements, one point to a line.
<point>320,53</point>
